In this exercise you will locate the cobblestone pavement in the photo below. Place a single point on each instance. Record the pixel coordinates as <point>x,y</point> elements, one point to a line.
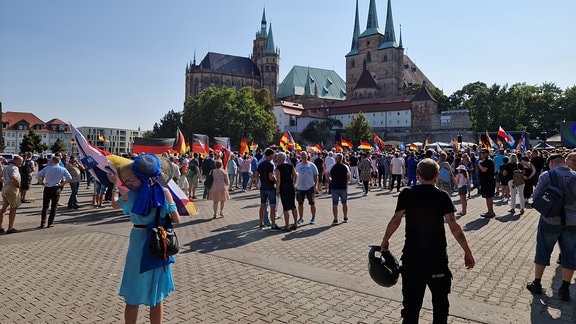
<point>230,271</point>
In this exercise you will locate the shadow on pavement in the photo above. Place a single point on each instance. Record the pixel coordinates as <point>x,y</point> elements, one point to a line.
<point>476,224</point>
<point>508,218</point>
<point>230,236</point>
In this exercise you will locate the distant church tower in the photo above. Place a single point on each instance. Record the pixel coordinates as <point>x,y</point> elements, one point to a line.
<point>375,63</point>
<point>267,57</point>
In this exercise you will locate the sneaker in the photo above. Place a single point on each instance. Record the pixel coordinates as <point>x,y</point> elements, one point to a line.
<point>2,231</point>
<point>300,220</point>
<point>535,288</point>
<point>313,221</point>
<point>564,294</point>
<point>335,222</point>
<point>345,220</point>
<point>12,230</point>
<point>275,228</point>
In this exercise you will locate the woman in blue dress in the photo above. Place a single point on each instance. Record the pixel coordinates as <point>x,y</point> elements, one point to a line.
<point>147,279</point>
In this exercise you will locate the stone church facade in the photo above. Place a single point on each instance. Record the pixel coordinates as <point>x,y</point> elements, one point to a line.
<point>261,70</point>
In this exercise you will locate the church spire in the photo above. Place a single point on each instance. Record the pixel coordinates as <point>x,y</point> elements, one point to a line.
<point>355,34</point>
<point>270,48</point>
<point>400,42</point>
<point>389,34</point>
<point>372,23</point>
<point>263,24</point>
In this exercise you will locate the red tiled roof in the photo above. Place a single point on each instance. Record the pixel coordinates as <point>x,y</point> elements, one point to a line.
<point>56,121</point>
<point>13,118</point>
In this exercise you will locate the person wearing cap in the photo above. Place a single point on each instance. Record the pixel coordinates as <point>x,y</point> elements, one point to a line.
<point>486,169</point>
<point>147,279</point>
<point>561,228</point>
<point>424,256</point>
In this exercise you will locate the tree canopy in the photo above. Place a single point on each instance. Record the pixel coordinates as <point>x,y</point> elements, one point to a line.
<point>359,129</point>
<point>246,113</point>
<point>32,142</point>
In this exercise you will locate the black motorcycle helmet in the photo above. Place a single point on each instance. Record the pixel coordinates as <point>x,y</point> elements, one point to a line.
<point>383,269</point>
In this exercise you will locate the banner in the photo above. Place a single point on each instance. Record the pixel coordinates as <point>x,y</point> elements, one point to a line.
<point>179,145</point>
<point>152,145</point>
<point>200,144</point>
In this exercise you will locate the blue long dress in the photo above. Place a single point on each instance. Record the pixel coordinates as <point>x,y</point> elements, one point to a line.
<point>152,286</point>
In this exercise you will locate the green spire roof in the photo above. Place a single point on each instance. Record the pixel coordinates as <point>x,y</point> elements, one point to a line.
<point>389,34</point>
<point>372,23</point>
<point>356,34</point>
<point>270,48</point>
<point>263,24</point>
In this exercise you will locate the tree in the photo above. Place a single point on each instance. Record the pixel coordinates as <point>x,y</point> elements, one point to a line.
<point>319,131</point>
<point>359,129</point>
<point>168,125</point>
<point>245,113</point>
<point>58,146</point>
<point>32,142</point>
<point>568,104</point>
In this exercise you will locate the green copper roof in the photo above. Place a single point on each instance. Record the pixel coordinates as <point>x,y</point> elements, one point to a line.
<point>312,82</point>
<point>389,34</point>
<point>355,34</point>
<point>270,48</point>
<point>263,24</point>
<point>372,22</point>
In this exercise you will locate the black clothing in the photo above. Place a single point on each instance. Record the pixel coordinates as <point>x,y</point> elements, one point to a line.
<point>287,191</point>
<point>424,257</point>
<point>42,162</point>
<point>425,244</point>
<point>353,161</point>
<point>50,197</point>
<point>264,170</point>
<point>339,175</point>
<point>207,166</point>
<point>319,163</point>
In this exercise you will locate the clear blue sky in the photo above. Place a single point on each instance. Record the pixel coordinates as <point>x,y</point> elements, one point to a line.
<point>120,63</point>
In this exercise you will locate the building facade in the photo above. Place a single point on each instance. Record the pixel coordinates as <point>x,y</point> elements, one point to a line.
<point>261,70</point>
<point>114,140</point>
<point>15,125</point>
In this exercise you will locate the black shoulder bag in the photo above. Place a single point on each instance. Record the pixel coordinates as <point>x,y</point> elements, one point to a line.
<point>163,240</point>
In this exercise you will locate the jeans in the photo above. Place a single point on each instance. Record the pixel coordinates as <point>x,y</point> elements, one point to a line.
<point>73,200</point>
<point>245,179</point>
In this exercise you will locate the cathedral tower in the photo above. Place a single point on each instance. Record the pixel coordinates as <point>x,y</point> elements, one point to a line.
<point>267,57</point>
<point>374,65</point>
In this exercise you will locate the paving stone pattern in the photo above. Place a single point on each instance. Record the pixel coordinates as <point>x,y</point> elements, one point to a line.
<point>231,271</point>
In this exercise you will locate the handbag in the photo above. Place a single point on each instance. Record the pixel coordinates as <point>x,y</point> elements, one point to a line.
<point>518,177</point>
<point>163,239</point>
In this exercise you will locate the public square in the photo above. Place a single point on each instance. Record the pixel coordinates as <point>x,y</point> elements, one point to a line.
<point>231,271</point>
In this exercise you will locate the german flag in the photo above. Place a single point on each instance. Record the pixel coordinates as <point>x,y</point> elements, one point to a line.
<point>101,138</point>
<point>365,145</point>
<point>378,141</point>
<point>338,148</point>
<point>345,143</point>
<point>286,141</point>
<point>426,140</point>
<point>243,147</point>
<point>179,145</point>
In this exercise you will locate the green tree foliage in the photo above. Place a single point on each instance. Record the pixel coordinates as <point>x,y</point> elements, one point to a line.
<point>246,113</point>
<point>359,129</point>
<point>568,104</point>
<point>32,142</point>
<point>444,102</point>
<point>58,146</point>
<point>168,125</point>
<point>319,131</point>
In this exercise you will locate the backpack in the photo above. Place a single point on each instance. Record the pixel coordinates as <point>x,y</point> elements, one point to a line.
<point>517,177</point>
<point>444,174</point>
<point>550,201</point>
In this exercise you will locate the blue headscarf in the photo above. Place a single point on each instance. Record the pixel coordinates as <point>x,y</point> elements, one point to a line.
<point>147,169</point>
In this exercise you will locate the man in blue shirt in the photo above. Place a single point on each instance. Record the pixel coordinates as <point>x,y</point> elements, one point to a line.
<point>54,177</point>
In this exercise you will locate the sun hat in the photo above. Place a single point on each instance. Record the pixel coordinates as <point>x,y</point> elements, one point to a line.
<point>461,167</point>
<point>147,164</point>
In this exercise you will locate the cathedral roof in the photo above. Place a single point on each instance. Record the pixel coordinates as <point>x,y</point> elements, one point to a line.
<point>307,81</point>
<point>224,63</point>
<point>413,75</point>
<point>366,81</point>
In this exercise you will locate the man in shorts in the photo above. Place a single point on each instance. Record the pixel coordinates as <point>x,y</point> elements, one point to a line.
<point>11,193</point>
<point>267,188</point>
<point>306,186</point>
<point>486,169</point>
<point>339,177</point>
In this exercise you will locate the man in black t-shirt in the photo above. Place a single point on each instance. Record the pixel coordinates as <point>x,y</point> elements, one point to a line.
<point>424,257</point>
<point>486,169</point>
<point>339,177</point>
<point>267,179</point>
<point>354,176</point>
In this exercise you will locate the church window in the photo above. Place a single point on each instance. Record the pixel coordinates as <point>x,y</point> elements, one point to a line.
<point>368,57</point>
<point>385,58</point>
<point>352,63</point>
